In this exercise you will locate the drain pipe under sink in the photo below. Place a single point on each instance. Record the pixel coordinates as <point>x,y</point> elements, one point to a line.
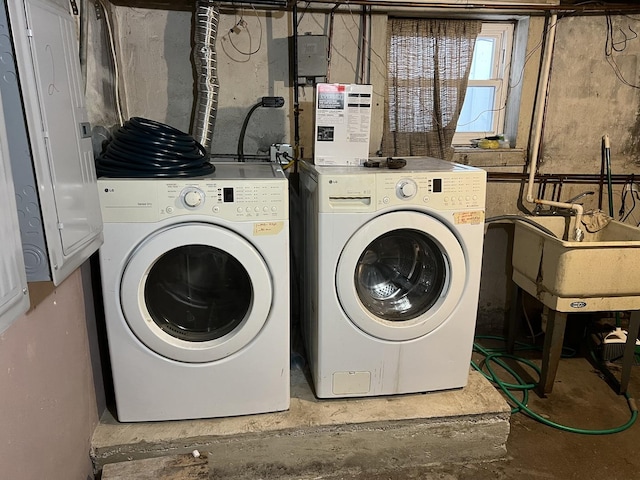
<point>543,85</point>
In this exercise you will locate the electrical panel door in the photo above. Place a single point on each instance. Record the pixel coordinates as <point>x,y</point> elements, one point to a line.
<point>45,41</point>
<point>14,297</point>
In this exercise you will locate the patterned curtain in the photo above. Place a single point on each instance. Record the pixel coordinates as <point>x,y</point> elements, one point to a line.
<point>428,69</point>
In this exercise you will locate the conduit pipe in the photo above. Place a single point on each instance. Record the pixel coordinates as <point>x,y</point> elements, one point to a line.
<point>543,84</point>
<point>207,17</point>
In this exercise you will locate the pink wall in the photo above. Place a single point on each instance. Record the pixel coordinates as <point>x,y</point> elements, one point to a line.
<point>47,399</point>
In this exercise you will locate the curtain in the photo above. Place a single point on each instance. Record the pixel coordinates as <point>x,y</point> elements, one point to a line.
<point>428,68</point>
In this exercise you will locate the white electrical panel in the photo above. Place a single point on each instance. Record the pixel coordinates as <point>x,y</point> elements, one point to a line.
<point>14,297</point>
<point>46,50</point>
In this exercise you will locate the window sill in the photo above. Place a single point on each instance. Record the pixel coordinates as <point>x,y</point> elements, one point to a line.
<point>500,157</point>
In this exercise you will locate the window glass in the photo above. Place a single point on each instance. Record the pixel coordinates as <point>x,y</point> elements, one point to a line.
<point>483,57</point>
<point>483,109</point>
<point>477,110</point>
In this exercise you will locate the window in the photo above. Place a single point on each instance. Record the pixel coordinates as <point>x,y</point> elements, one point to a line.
<point>429,61</point>
<point>483,110</point>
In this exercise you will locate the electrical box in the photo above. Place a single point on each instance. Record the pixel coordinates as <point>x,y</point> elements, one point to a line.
<point>14,296</point>
<point>49,138</point>
<point>312,56</point>
<point>281,153</point>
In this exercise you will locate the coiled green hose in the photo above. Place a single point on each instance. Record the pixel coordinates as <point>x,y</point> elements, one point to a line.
<point>520,405</point>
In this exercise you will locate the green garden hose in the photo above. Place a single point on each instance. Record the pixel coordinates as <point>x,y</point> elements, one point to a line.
<point>520,405</point>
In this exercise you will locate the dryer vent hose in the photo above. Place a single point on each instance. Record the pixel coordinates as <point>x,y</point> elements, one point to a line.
<point>205,61</point>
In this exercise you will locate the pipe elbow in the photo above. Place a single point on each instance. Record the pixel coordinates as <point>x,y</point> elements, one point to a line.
<point>578,232</point>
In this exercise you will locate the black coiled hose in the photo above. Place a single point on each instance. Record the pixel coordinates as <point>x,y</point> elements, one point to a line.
<point>144,148</point>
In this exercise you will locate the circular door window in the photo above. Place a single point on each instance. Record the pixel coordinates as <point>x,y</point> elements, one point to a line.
<point>401,275</point>
<point>195,292</point>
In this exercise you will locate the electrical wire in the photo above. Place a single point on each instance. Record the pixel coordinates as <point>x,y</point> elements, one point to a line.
<point>299,19</point>
<point>144,148</point>
<point>633,193</point>
<point>611,46</point>
<point>521,405</point>
<point>114,59</point>
<point>243,131</point>
<point>243,23</point>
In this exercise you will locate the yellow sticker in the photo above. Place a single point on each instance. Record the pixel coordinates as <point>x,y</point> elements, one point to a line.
<point>476,217</point>
<point>267,228</point>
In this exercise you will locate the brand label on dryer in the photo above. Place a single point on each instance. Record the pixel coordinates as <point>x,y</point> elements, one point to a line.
<point>476,217</point>
<point>267,228</point>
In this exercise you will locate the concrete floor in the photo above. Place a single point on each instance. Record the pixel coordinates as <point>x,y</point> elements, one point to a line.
<point>581,398</point>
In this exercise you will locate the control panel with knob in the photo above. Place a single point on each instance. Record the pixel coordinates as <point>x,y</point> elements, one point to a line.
<point>192,197</point>
<point>406,188</point>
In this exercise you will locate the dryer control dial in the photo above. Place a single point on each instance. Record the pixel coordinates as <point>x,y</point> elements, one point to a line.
<point>192,197</point>
<point>406,188</point>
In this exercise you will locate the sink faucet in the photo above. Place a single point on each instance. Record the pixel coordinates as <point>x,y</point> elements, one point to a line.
<point>554,210</point>
<point>579,196</point>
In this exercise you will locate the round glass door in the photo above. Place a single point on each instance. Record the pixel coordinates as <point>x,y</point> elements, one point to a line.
<point>198,293</point>
<point>195,292</point>
<point>401,275</point>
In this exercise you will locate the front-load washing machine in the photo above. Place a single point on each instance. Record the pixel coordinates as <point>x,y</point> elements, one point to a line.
<point>391,275</point>
<point>195,280</point>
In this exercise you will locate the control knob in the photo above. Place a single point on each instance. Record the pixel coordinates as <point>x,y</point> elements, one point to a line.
<point>192,197</point>
<point>406,188</point>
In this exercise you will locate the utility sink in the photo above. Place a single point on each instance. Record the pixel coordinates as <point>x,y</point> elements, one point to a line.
<point>600,273</point>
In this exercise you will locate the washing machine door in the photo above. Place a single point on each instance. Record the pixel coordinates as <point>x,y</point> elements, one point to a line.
<point>196,292</point>
<point>401,275</point>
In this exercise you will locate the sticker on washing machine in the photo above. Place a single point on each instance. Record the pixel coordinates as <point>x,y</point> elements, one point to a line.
<point>473,218</point>
<point>267,228</point>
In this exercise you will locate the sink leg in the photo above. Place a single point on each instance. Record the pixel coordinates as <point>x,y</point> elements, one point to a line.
<point>627,359</point>
<point>552,350</point>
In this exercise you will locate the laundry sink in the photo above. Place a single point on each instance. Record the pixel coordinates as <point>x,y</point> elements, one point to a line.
<point>602,272</point>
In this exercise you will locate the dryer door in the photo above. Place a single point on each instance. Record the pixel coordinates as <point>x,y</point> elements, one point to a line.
<point>401,275</point>
<point>196,292</point>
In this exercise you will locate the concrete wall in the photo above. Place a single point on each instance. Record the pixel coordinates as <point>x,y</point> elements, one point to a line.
<point>585,101</point>
<point>48,406</point>
<point>252,63</point>
<point>588,100</point>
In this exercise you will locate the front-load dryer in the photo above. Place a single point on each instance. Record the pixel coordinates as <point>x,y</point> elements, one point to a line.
<point>391,275</point>
<point>195,280</point>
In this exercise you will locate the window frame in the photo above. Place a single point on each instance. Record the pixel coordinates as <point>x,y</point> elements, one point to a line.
<point>503,34</point>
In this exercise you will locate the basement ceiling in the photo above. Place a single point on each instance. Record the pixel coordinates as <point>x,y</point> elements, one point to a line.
<point>582,5</point>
